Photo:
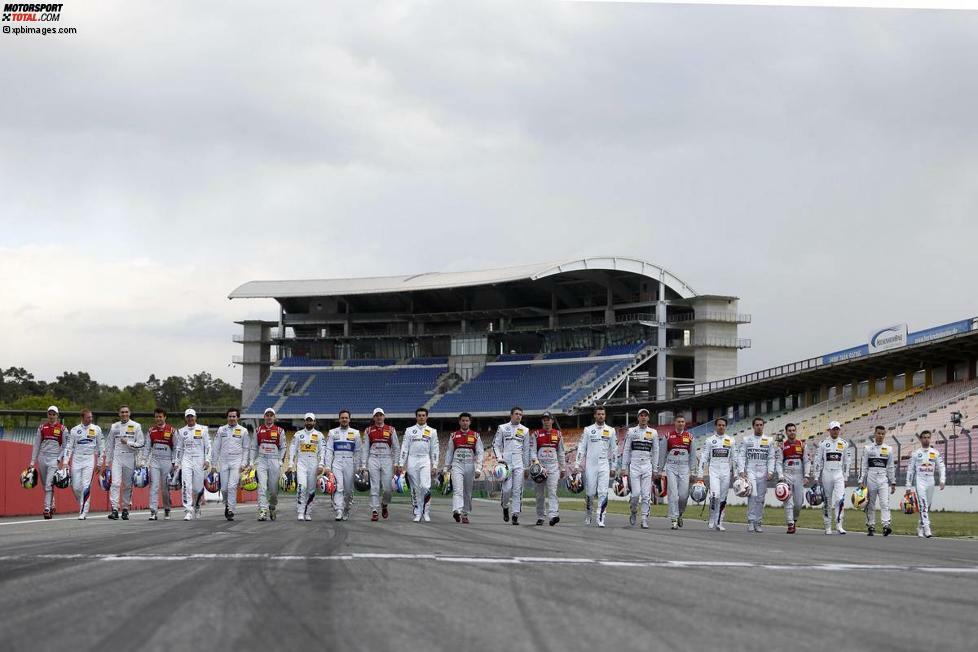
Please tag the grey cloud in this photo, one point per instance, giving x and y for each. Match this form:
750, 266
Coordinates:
819, 163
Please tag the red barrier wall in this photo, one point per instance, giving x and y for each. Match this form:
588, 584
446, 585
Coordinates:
17, 501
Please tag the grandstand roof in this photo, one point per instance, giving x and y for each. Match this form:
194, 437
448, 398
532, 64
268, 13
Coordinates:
810, 374
445, 280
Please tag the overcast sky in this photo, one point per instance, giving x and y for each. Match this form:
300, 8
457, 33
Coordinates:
822, 164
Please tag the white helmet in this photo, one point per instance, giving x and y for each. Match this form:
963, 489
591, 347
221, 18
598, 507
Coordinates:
698, 492
743, 487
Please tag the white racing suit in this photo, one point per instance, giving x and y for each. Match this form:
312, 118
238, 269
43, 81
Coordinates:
598, 451
512, 445
82, 449
718, 456
160, 463
305, 454
382, 448
920, 477
419, 454
678, 457
125, 441
341, 454
547, 447
267, 448
639, 453
877, 474
191, 453
48, 447
230, 452
831, 468
465, 454
793, 469
757, 460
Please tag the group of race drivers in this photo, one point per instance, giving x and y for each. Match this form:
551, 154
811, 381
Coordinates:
342, 459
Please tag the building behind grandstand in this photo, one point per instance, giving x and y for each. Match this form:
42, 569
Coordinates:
557, 337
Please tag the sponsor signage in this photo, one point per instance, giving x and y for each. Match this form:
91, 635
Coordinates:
889, 337
939, 332
892, 337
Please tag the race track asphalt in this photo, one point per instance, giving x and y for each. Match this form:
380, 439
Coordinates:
397, 585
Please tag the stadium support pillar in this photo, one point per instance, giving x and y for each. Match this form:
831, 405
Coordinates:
928, 377
888, 385
871, 389
972, 369
908, 379
823, 393
609, 310
660, 357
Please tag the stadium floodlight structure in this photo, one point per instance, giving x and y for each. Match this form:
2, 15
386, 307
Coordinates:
586, 312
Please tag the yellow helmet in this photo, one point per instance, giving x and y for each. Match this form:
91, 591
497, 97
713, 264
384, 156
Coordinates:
859, 497
249, 479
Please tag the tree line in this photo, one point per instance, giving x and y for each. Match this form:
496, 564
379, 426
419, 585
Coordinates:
72, 391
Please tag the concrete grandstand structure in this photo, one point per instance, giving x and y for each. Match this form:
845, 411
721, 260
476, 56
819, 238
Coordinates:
927, 382
549, 336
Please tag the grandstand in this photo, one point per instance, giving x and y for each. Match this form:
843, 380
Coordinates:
551, 336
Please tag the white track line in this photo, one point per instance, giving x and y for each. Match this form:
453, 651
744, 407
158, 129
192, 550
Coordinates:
628, 563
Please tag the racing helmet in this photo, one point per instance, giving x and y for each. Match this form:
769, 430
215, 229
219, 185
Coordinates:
538, 473
859, 497
815, 495
286, 481
174, 479
28, 478
621, 487
575, 482
62, 478
361, 479
327, 483
782, 491
105, 479
212, 481
660, 486
445, 481
501, 472
698, 492
399, 483
909, 503
249, 479
743, 487
140, 476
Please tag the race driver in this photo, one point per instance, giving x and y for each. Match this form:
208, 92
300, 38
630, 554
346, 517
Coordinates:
878, 475
512, 445
638, 451
923, 464
598, 451
463, 459
125, 440
718, 457
82, 448
831, 468
677, 458
419, 455
341, 454
192, 455
305, 456
48, 447
547, 449
159, 459
793, 468
756, 463
383, 448
267, 450
230, 451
